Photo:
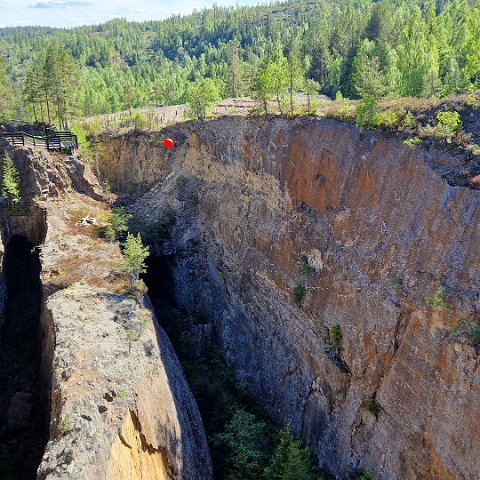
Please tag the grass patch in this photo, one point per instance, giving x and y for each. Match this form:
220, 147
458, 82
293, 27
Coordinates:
65, 424
439, 299
468, 328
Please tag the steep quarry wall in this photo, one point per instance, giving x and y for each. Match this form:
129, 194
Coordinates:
119, 405
382, 231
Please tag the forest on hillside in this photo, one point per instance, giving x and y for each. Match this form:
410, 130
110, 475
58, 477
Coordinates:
387, 48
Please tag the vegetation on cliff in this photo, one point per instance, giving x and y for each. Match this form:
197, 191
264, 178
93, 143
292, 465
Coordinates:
10, 190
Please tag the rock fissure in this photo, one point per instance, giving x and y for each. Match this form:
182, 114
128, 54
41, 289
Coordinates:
24, 418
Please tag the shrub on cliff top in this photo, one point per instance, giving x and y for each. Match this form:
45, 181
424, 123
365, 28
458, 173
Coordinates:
449, 124
368, 113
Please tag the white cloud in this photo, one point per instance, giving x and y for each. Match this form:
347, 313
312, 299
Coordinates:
61, 4
88, 12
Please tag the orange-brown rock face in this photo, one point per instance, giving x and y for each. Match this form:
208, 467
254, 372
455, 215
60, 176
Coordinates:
382, 230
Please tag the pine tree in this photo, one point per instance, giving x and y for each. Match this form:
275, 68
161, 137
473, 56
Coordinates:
367, 75
279, 80
413, 57
64, 80
134, 255
262, 87
290, 461
471, 46
296, 73
311, 88
203, 93
335, 71
10, 182
453, 78
392, 74
46, 71
235, 69
6, 93
243, 438
50, 85
32, 93
271, 81
433, 85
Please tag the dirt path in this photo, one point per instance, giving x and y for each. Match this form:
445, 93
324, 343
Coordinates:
160, 116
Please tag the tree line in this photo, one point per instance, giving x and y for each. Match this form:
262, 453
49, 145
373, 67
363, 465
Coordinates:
389, 48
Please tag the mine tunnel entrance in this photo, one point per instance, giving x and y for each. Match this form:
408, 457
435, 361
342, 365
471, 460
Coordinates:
23, 419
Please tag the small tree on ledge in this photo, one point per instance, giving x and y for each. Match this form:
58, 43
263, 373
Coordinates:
134, 255
10, 183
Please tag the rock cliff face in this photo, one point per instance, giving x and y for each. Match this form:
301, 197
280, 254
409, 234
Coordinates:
388, 251
118, 404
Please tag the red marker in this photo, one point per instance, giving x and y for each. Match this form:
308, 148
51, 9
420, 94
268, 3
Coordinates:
168, 143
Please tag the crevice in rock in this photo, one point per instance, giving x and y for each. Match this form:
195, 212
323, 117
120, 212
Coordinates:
211, 379
23, 417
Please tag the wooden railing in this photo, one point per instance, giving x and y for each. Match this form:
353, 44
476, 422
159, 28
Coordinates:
54, 141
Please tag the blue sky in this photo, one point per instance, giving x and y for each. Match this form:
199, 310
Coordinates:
68, 13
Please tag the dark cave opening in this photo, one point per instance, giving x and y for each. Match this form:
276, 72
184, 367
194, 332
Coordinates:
159, 280
23, 419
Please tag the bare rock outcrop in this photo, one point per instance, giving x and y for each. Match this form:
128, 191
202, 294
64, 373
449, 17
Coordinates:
121, 407
392, 251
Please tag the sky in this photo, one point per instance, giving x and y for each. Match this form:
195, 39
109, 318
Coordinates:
69, 13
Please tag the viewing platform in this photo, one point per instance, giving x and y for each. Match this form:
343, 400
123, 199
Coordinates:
52, 141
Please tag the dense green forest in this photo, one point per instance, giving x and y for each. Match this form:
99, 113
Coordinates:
360, 48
